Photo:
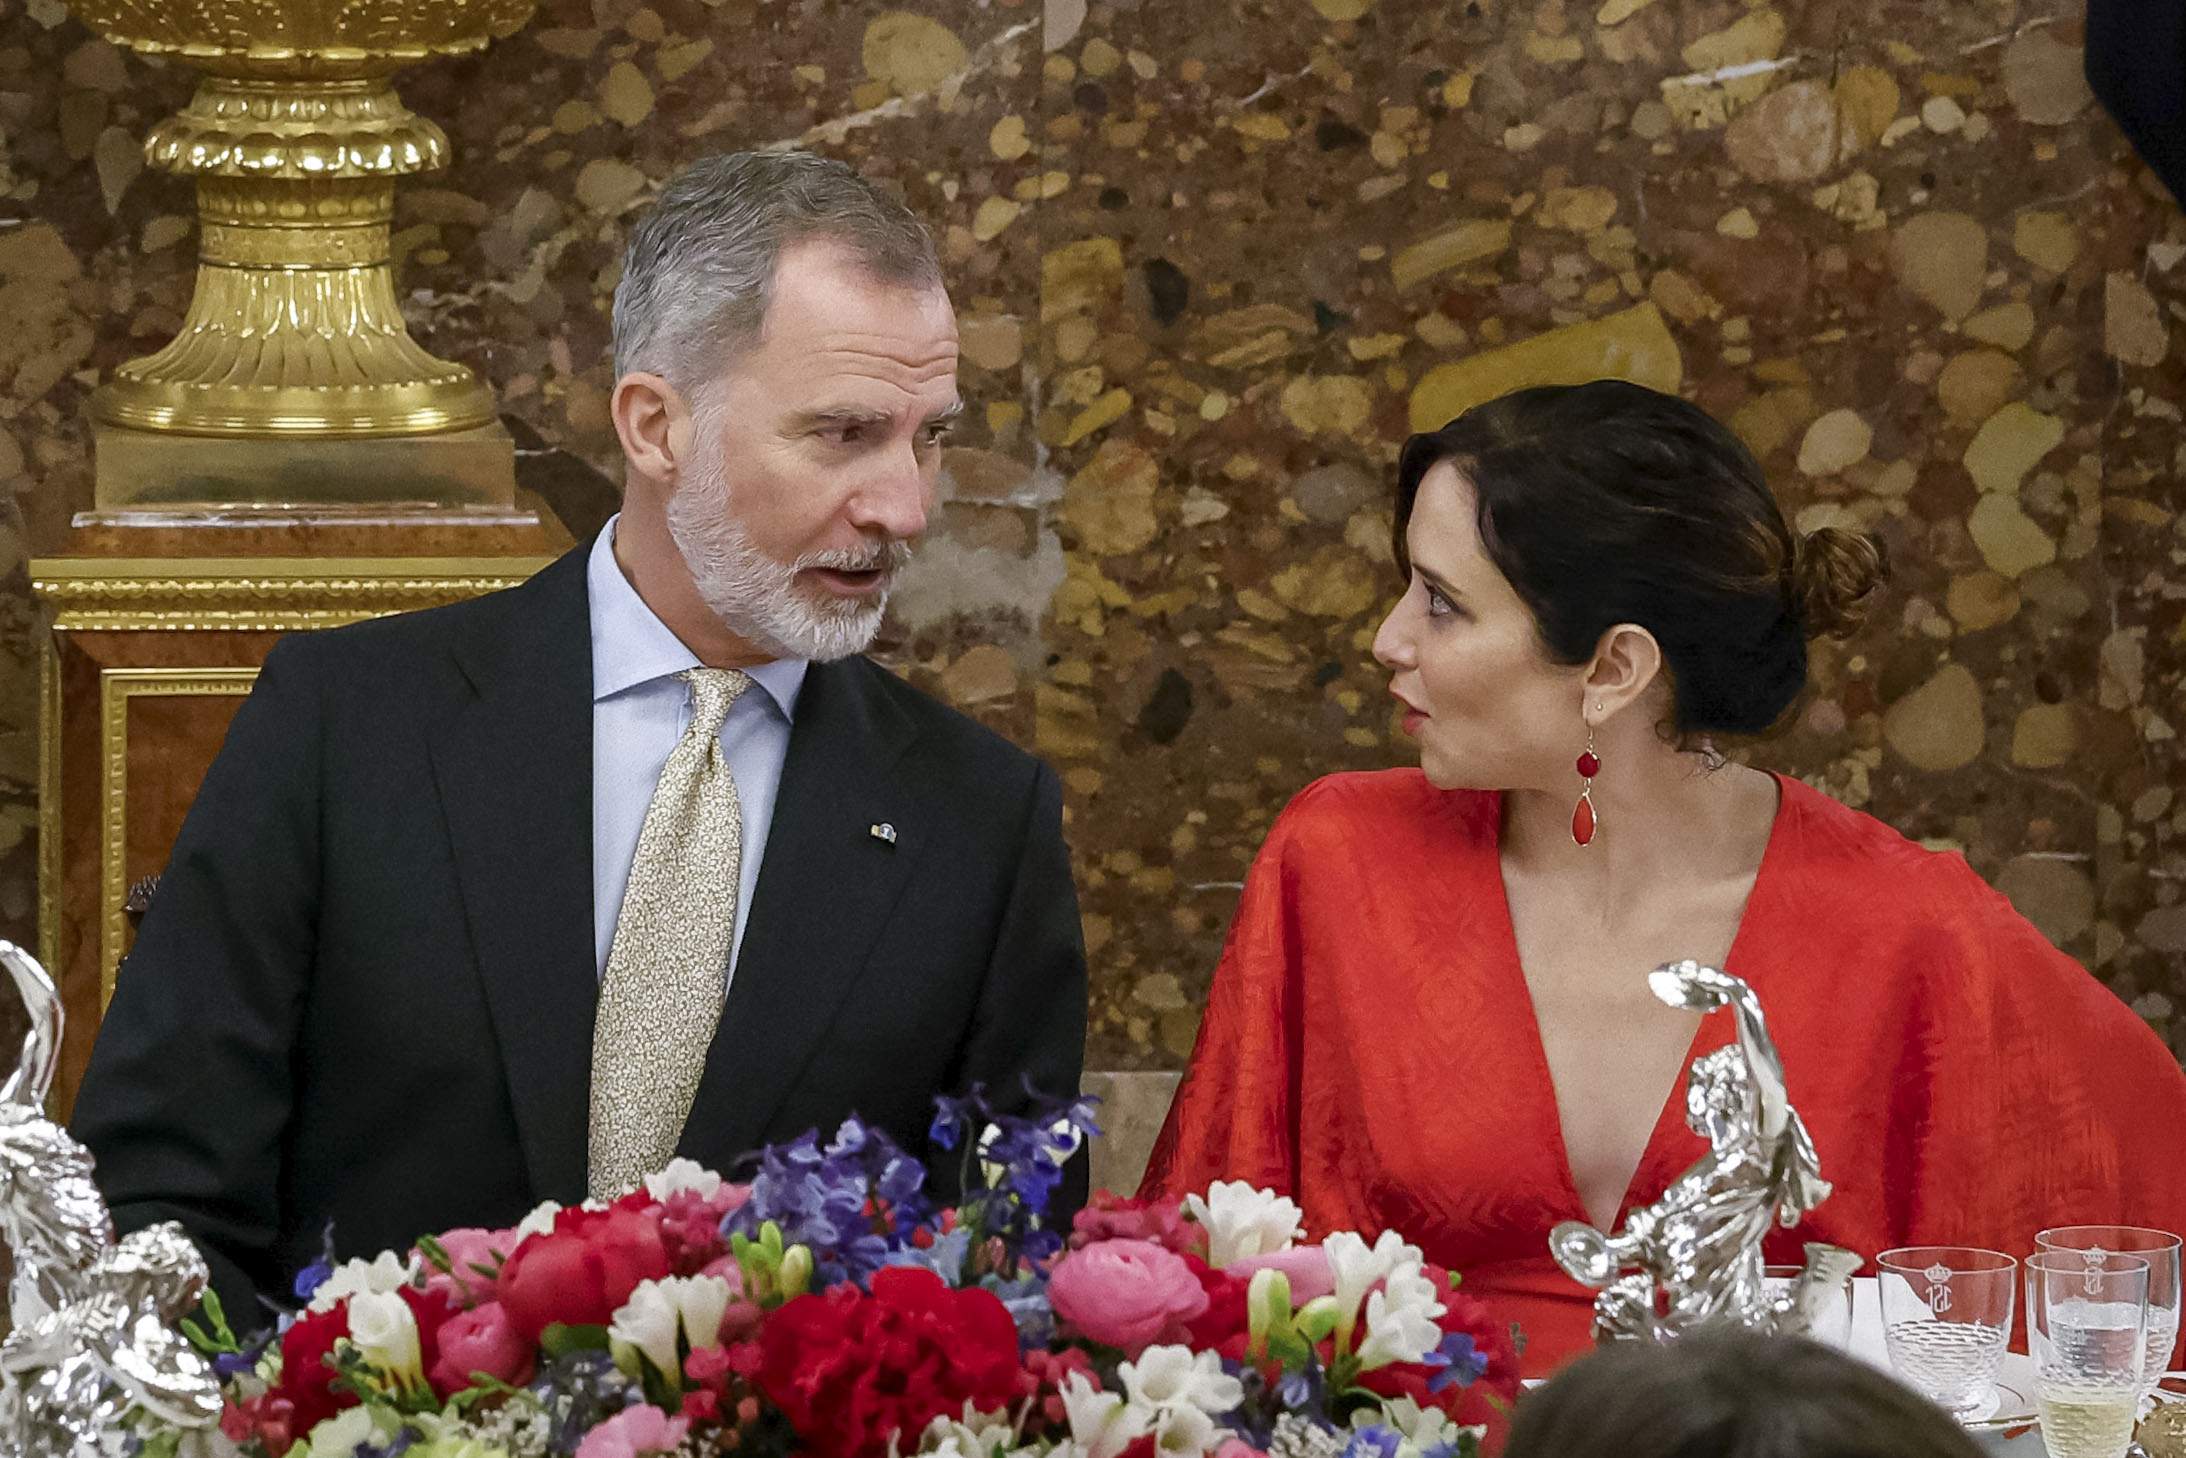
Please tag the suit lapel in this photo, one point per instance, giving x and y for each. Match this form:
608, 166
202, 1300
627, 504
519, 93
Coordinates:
514, 771
825, 888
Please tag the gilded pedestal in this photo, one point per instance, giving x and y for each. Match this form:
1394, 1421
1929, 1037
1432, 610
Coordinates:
158, 634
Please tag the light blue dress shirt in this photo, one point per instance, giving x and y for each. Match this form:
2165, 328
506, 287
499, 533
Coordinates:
639, 711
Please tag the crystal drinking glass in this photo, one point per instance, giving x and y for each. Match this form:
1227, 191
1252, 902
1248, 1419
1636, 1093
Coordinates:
1946, 1316
2087, 1328
2160, 1249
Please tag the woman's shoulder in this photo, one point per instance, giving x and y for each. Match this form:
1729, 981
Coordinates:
1392, 806
1946, 923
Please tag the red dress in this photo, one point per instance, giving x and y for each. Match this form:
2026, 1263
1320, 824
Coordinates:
1369, 1048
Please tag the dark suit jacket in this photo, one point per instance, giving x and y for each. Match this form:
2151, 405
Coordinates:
364, 992
2136, 63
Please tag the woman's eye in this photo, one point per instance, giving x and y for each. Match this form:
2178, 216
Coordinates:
1438, 605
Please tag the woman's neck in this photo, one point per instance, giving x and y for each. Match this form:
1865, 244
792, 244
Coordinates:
1665, 818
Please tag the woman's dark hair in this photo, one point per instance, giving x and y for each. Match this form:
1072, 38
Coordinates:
1733, 1394
1611, 503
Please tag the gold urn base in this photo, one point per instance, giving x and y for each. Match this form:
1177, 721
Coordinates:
151, 475
293, 381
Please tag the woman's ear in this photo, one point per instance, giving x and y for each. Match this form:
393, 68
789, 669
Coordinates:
1627, 663
653, 422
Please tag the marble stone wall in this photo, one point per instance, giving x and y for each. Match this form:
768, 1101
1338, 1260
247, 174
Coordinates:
1215, 260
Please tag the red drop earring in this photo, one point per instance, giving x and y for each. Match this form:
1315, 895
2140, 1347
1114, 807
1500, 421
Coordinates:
1584, 823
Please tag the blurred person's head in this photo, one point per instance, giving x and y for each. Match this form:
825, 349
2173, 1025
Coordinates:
1730, 1394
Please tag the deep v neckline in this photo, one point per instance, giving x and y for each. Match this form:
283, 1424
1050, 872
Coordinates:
1706, 1037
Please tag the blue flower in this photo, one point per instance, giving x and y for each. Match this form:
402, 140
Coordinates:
1375, 1440
1462, 1364
1025, 1298
847, 1203
944, 1257
313, 1276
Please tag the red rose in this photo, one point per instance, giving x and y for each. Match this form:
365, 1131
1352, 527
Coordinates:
1226, 1325
581, 1271
851, 1369
306, 1379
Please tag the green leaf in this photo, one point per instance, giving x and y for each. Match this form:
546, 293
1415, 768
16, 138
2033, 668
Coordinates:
561, 1338
218, 1316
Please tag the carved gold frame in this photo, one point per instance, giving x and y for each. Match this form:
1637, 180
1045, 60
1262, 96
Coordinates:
221, 595
117, 686
259, 594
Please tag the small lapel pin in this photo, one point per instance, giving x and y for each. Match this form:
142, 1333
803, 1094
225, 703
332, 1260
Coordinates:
883, 831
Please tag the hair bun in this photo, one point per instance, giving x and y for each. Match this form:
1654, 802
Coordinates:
1835, 576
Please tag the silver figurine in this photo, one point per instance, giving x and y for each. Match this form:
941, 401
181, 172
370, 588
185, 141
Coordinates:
1693, 1258
94, 1345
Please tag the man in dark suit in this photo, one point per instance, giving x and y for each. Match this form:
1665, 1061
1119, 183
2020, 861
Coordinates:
512, 900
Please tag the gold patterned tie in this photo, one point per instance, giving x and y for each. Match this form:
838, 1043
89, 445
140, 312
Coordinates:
667, 969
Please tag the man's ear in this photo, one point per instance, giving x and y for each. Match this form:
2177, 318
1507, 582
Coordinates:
653, 422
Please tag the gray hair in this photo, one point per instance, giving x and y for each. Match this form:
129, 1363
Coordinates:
699, 271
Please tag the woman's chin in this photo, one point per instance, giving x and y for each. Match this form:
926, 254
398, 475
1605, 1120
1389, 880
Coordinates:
1444, 773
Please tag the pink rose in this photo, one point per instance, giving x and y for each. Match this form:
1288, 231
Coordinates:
1127, 1294
468, 1249
633, 1431
1306, 1265
480, 1340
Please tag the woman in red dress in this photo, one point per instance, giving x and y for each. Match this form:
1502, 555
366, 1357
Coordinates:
1432, 1013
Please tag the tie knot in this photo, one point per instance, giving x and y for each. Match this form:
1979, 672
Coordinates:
712, 691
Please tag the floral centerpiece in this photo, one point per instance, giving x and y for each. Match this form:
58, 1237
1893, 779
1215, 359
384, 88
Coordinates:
828, 1308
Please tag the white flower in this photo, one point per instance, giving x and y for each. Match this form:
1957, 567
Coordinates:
646, 1325
1101, 1423
1423, 1428
1358, 1267
1242, 1221
683, 1177
1175, 1394
385, 1334
704, 1301
1173, 1377
342, 1434
539, 1222
974, 1434
1400, 1319
383, 1273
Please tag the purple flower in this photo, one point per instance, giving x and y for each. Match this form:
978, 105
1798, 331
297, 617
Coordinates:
1461, 1364
1377, 1440
313, 1276
847, 1203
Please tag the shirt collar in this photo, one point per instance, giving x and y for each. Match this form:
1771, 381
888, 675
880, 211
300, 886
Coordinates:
632, 646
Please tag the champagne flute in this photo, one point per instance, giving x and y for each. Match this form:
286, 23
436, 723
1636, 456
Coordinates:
1946, 1315
2160, 1249
2087, 1327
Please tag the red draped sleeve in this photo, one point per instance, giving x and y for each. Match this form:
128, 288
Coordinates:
1236, 1113
2032, 1095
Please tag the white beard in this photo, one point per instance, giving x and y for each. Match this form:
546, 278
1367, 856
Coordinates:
761, 600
